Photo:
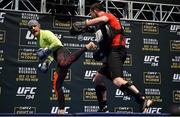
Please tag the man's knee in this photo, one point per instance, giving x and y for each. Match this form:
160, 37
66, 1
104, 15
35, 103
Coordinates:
97, 79
119, 81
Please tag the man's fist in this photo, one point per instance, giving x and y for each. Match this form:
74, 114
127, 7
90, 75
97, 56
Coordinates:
43, 53
43, 67
81, 25
78, 28
90, 46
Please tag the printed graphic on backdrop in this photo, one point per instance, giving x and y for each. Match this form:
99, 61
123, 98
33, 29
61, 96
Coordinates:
91, 108
24, 110
2, 17
28, 74
150, 44
25, 17
152, 62
2, 36
175, 62
1, 55
152, 77
27, 55
176, 96
150, 28
28, 93
89, 94
175, 45
123, 109
62, 22
154, 94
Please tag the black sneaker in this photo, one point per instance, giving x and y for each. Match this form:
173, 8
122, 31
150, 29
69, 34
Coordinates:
104, 109
146, 104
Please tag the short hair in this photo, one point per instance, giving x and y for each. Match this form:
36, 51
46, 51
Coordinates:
97, 6
33, 22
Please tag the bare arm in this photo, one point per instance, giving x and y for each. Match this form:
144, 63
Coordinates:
96, 20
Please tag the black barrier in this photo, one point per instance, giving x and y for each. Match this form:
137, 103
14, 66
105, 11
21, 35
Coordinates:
153, 64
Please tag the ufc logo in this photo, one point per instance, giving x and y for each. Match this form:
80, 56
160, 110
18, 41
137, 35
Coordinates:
2, 17
90, 73
30, 36
174, 28
54, 110
119, 93
176, 77
154, 110
128, 42
26, 90
151, 59
89, 38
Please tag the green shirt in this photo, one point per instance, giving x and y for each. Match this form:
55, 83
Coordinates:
47, 39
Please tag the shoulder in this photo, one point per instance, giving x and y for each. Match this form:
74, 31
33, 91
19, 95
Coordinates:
47, 31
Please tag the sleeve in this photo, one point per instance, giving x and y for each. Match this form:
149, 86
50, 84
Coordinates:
53, 41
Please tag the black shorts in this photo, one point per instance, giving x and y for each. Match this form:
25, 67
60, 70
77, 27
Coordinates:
113, 67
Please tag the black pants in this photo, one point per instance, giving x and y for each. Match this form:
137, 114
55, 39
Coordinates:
64, 59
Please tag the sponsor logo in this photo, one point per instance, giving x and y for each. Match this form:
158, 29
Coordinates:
126, 26
128, 42
24, 110
152, 60
86, 38
62, 22
27, 74
175, 45
2, 17
176, 96
28, 40
152, 92
91, 108
27, 92
150, 28
89, 55
175, 62
2, 36
174, 28
127, 75
89, 74
89, 94
120, 94
152, 77
176, 77
123, 109
154, 110
150, 44
128, 61
1, 55
1, 68
29, 16
54, 110
27, 55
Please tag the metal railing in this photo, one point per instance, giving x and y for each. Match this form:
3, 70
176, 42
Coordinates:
128, 10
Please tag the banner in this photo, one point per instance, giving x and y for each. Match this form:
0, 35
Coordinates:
152, 64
